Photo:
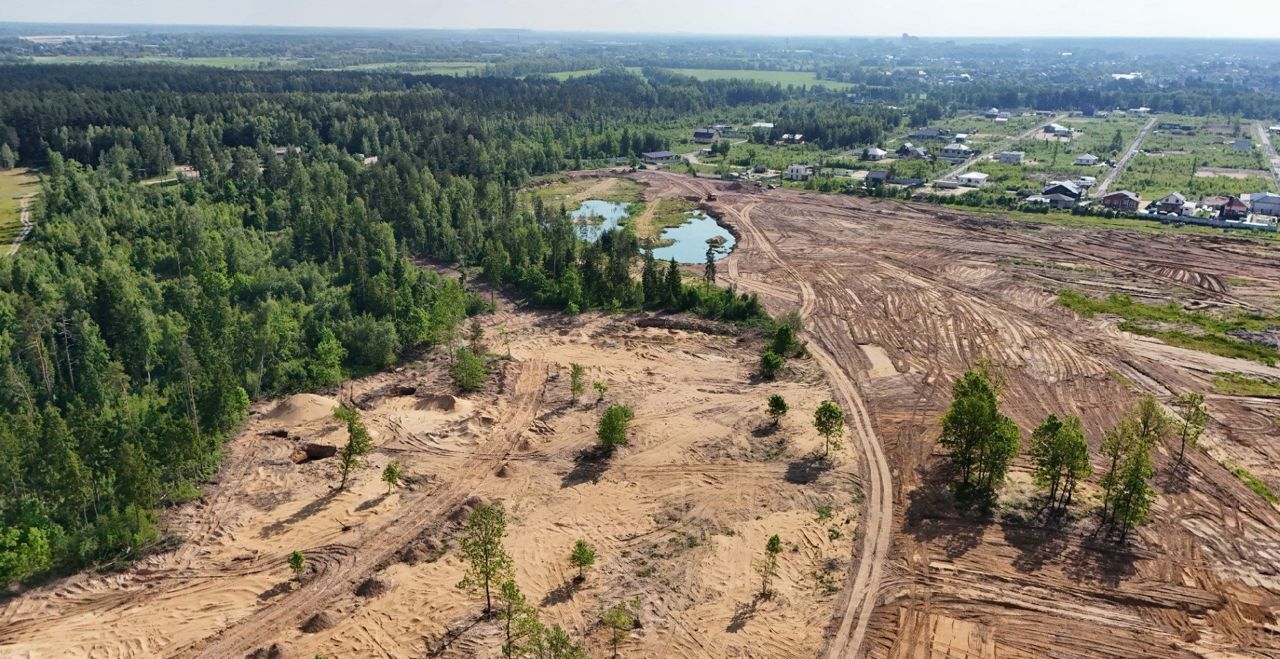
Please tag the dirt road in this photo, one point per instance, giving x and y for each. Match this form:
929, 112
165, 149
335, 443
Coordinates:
1101, 188
27, 225
930, 291
1273, 161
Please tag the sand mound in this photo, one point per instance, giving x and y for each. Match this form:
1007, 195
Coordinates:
372, 587
318, 623
302, 408
438, 402
273, 652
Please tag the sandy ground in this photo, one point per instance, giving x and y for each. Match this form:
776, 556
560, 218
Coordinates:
937, 290
898, 300
677, 517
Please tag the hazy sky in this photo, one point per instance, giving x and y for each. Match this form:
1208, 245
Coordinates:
1206, 18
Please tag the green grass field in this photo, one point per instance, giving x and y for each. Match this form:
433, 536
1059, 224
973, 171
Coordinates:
14, 185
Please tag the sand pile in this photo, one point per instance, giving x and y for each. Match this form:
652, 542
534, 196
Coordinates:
318, 623
301, 409
372, 587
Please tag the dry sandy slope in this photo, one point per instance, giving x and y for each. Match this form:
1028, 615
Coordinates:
937, 290
677, 517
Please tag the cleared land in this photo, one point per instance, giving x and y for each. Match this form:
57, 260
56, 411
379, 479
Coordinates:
677, 517
898, 299
936, 290
15, 184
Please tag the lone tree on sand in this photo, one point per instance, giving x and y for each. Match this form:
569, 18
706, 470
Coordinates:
392, 474
621, 619
297, 563
577, 380
582, 557
829, 420
768, 567
1194, 418
613, 426
351, 457
777, 408
487, 561
771, 364
601, 390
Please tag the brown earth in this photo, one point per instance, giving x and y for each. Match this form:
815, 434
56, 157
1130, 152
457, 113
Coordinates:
936, 290
677, 517
898, 300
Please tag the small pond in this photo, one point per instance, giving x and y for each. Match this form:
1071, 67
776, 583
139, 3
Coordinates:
688, 241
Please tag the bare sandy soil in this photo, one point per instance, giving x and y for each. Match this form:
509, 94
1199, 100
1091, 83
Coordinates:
936, 290
677, 517
898, 300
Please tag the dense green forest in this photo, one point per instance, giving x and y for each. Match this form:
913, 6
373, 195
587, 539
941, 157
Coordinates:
138, 321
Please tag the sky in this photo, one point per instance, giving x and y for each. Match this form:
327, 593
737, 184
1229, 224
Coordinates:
941, 18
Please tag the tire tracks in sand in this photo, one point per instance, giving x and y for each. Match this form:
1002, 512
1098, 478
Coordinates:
338, 579
863, 586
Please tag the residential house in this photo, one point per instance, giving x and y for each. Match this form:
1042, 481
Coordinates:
1214, 203
1011, 157
1140, 112
789, 138
1122, 201
798, 173
992, 113
972, 179
706, 135
1087, 160
1054, 129
1265, 203
660, 157
956, 152
1065, 188
1060, 201
1234, 209
1171, 204
1044, 113
874, 153
910, 151
928, 134
961, 138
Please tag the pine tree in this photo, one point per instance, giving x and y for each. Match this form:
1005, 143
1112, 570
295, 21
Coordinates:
582, 557
297, 563
777, 408
620, 619
481, 545
392, 474
613, 426
768, 566
358, 445
1195, 416
982, 442
828, 419
1061, 456
577, 380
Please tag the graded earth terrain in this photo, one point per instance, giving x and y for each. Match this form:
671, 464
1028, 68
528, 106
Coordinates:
897, 301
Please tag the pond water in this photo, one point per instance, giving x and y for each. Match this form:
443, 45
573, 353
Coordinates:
610, 214
689, 240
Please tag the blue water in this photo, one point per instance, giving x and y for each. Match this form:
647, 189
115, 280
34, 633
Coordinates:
690, 238
612, 213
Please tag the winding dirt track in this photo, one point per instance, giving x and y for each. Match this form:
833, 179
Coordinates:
860, 593
338, 578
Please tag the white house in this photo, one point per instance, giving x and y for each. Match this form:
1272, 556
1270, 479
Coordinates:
1011, 157
956, 152
874, 153
798, 173
1002, 120
992, 113
1087, 160
1265, 203
972, 179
